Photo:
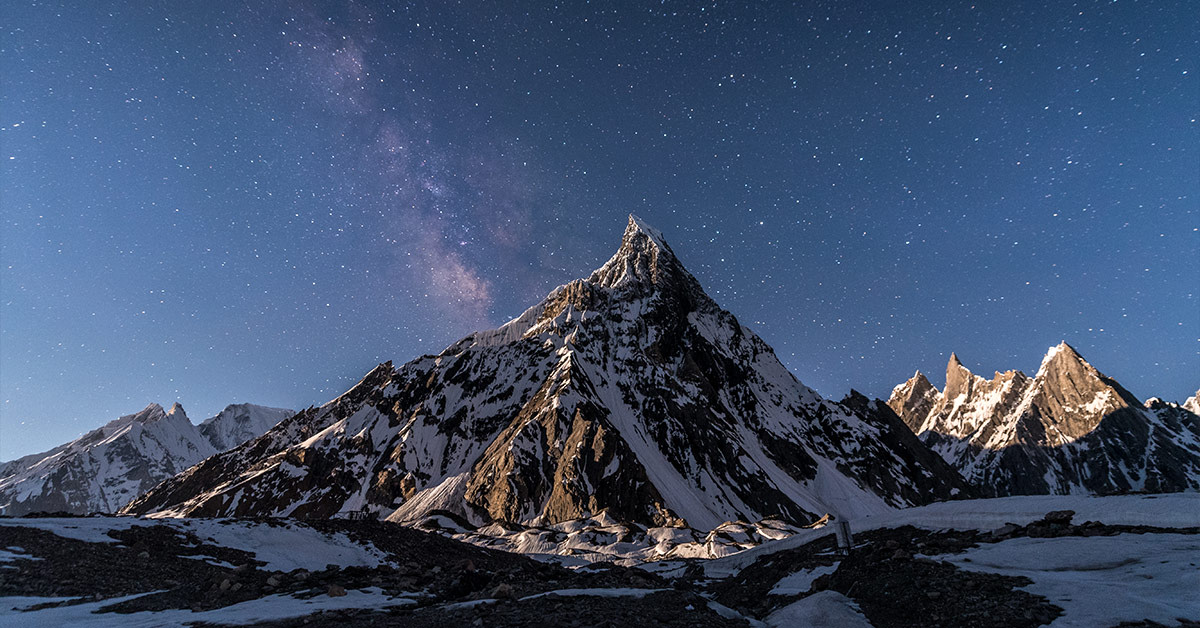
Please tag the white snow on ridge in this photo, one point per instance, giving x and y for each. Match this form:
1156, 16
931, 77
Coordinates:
239, 423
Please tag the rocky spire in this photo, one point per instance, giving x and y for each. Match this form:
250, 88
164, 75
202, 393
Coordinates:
1063, 357
1192, 404
644, 257
1071, 428
958, 378
913, 400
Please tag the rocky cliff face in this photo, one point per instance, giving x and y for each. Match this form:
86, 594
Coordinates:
913, 400
107, 467
1068, 429
1192, 404
630, 392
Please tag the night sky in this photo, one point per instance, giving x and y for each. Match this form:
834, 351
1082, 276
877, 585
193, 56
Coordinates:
209, 203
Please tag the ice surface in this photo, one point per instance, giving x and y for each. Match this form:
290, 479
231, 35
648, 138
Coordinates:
827, 608
1102, 580
1173, 510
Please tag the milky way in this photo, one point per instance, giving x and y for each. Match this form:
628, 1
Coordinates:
216, 203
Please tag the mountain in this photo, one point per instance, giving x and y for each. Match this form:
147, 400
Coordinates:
240, 422
1069, 429
630, 392
1192, 404
106, 468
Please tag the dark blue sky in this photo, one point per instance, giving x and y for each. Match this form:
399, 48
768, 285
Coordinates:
210, 203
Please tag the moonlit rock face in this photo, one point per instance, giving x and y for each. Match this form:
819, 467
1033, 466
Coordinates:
913, 400
107, 467
1069, 429
629, 394
1192, 404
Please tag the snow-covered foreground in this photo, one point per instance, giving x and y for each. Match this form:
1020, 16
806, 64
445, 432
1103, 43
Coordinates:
263, 609
1096, 580
283, 546
174, 572
1172, 510
1102, 581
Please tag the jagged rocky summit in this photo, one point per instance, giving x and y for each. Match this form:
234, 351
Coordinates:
1192, 404
1068, 429
629, 393
106, 468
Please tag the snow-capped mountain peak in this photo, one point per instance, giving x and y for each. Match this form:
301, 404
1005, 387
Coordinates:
106, 468
151, 413
959, 379
1192, 404
643, 258
630, 392
1070, 428
918, 395
1062, 358
238, 423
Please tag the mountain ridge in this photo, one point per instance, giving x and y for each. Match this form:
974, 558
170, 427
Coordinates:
1069, 428
107, 467
630, 391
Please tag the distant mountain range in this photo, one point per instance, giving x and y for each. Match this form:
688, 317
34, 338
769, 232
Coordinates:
630, 392
106, 468
1068, 429
628, 397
